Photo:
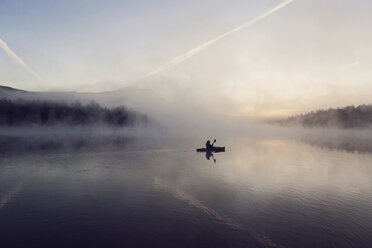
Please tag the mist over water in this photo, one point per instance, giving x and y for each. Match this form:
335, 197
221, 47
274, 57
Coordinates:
271, 188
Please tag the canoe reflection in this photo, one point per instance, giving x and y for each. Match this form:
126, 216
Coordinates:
208, 156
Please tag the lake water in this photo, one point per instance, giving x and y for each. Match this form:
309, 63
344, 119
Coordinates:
127, 192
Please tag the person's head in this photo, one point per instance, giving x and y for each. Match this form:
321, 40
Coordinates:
208, 141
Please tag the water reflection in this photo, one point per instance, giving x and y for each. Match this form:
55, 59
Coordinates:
350, 141
36, 144
10, 195
208, 155
231, 223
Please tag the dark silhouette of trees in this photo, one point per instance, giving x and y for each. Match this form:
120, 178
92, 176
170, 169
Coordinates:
22, 113
347, 117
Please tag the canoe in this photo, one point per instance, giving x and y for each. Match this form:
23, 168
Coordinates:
213, 149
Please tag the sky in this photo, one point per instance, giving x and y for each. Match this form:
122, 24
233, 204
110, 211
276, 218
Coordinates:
309, 54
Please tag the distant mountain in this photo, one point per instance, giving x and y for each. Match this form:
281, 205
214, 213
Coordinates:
7, 89
141, 100
347, 117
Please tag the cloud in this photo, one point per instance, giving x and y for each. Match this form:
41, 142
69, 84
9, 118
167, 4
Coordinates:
181, 58
17, 59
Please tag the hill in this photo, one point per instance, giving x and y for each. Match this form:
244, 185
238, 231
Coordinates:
144, 101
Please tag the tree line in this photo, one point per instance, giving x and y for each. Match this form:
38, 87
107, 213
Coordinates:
347, 117
48, 113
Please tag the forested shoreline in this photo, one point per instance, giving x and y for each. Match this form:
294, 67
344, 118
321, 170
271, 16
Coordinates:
48, 113
347, 117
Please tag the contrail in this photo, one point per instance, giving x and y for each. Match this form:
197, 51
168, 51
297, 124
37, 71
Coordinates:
355, 63
179, 59
16, 58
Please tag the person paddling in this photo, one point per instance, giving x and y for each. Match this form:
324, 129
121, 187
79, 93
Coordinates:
208, 145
